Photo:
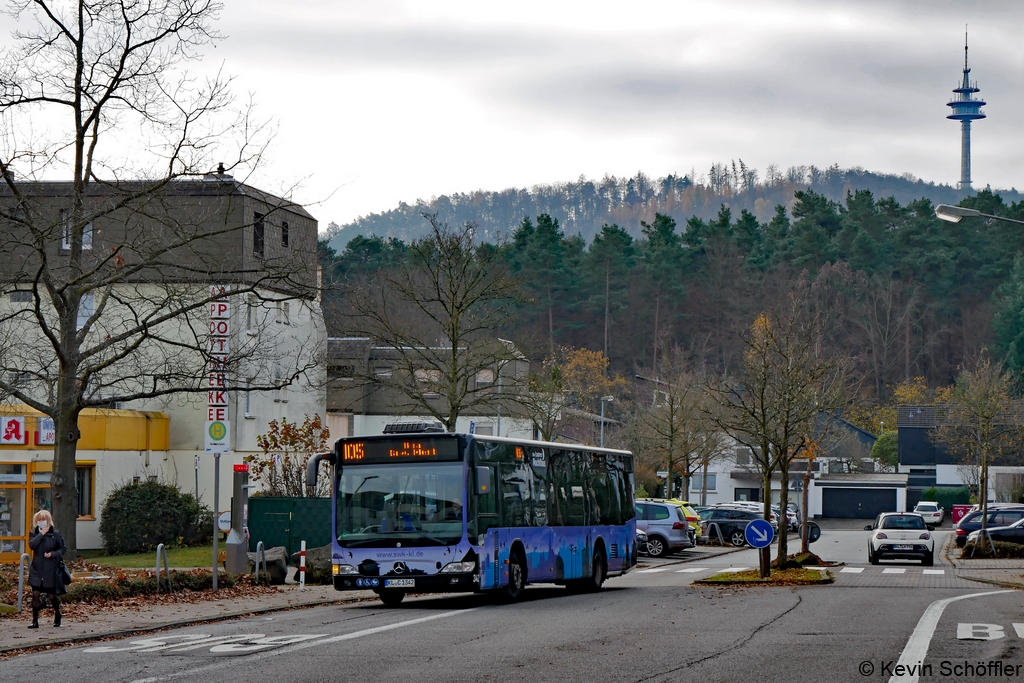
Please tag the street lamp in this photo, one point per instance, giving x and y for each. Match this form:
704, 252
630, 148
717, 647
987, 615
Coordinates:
604, 399
954, 214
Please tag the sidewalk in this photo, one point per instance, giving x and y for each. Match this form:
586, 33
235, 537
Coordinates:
88, 622
1007, 572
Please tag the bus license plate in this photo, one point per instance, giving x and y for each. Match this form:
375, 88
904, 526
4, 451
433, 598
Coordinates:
903, 547
399, 583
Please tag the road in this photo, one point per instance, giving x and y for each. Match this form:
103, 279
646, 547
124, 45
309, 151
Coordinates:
647, 626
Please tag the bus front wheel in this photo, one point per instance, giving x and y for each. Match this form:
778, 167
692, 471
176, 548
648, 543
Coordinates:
391, 598
516, 578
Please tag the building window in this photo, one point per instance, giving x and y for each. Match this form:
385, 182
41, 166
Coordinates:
21, 296
250, 314
341, 372
485, 429
257, 235
85, 478
284, 233
383, 372
248, 398
485, 378
696, 483
286, 316
85, 309
743, 456
65, 232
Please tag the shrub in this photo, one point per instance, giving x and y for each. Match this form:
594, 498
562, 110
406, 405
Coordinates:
1003, 550
137, 517
131, 587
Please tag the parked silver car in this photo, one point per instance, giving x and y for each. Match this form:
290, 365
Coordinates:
666, 528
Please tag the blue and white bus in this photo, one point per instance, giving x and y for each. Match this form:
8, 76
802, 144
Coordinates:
436, 512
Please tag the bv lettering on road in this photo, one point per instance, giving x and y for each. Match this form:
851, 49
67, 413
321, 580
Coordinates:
236, 644
917, 646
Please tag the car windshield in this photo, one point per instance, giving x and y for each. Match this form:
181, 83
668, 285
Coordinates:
415, 504
903, 522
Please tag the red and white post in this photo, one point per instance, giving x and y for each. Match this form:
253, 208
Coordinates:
302, 566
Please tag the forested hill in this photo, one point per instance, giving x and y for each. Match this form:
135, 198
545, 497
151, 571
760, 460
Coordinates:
583, 206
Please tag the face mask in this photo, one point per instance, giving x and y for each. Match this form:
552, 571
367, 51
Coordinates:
42, 525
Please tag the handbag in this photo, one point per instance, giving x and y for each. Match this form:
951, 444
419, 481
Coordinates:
65, 575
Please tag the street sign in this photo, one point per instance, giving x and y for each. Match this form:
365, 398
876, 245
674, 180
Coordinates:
224, 521
813, 532
217, 439
759, 533
197, 462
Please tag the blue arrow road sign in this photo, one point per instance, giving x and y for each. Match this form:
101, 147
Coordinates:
759, 533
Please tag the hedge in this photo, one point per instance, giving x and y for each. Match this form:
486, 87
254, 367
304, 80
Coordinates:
139, 516
947, 497
130, 587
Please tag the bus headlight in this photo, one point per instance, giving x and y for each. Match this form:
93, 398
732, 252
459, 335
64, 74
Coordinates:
458, 567
344, 569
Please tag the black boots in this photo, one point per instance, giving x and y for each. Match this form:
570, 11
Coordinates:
56, 613
35, 618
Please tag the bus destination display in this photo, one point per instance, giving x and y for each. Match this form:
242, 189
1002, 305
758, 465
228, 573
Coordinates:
399, 450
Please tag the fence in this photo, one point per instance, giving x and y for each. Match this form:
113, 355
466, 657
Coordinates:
289, 521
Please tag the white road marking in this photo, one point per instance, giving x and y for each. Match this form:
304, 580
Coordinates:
230, 661
851, 570
917, 646
935, 572
820, 569
655, 570
734, 570
1019, 628
895, 570
690, 570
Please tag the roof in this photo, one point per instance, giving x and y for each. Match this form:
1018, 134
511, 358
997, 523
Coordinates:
211, 186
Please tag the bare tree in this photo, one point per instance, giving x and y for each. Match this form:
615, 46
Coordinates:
117, 268
437, 315
789, 390
983, 422
674, 431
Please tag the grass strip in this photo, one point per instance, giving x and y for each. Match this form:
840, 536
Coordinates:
787, 577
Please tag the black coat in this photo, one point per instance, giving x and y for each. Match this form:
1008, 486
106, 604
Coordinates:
45, 574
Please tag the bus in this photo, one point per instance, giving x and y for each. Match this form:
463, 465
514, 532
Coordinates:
443, 512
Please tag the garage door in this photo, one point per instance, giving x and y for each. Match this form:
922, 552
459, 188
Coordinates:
857, 503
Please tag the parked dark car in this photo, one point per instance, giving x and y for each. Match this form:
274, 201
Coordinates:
732, 522
997, 517
1007, 534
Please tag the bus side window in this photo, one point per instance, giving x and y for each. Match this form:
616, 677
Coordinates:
516, 483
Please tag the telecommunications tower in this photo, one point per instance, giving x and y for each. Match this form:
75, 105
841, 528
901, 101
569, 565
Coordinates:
965, 110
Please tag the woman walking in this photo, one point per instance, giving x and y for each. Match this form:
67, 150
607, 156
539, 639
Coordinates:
45, 575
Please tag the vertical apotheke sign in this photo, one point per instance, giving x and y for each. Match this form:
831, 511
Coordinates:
218, 429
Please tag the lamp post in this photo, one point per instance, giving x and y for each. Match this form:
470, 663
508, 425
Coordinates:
604, 399
954, 214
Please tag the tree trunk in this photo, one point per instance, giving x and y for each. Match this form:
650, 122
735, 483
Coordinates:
704, 485
783, 502
765, 555
654, 363
804, 500
607, 305
62, 481
551, 325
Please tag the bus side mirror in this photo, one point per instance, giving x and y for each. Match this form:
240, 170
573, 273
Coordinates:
313, 466
483, 480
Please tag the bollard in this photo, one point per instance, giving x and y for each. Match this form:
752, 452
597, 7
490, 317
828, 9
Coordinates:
302, 566
162, 552
21, 577
261, 556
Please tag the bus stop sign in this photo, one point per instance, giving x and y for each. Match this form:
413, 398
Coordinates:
759, 533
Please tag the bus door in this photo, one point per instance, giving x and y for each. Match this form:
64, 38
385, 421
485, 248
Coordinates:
484, 517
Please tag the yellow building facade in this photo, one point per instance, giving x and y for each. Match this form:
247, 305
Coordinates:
115, 446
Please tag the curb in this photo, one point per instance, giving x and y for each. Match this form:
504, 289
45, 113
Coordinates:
75, 640
695, 559
957, 567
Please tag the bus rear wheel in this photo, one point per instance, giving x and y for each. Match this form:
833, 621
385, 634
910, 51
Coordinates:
390, 597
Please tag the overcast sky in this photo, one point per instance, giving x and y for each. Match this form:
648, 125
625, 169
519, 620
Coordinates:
380, 102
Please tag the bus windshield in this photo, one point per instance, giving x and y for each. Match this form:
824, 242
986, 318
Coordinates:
415, 504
